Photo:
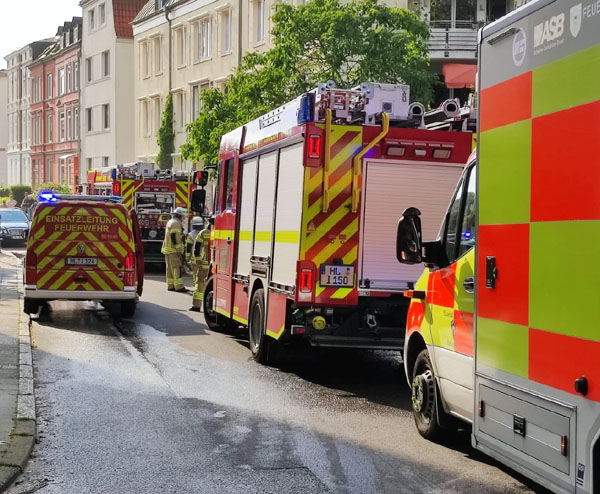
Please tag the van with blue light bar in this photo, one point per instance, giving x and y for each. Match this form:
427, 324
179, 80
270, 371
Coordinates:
83, 248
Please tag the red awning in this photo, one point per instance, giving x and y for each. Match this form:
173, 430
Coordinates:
459, 75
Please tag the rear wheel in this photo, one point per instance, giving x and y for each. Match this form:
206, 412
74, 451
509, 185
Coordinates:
127, 308
424, 397
261, 344
30, 305
213, 320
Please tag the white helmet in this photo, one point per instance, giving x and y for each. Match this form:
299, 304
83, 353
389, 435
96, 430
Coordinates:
180, 212
197, 221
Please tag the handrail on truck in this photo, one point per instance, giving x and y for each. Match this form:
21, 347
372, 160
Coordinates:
385, 120
327, 159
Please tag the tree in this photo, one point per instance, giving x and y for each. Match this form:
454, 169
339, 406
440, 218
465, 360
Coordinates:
166, 136
321, 40
51, 187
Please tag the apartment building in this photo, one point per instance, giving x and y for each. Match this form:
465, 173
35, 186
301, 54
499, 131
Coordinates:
107, 98
3, 126
55, 109
18, 117
186, 46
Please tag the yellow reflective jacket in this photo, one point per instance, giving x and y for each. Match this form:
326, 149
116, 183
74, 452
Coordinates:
168, 247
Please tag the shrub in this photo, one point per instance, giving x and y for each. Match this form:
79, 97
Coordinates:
4, 191
18, 192
52, 186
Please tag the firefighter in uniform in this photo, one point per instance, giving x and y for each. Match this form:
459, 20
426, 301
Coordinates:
172, 248
201, 254
197, 224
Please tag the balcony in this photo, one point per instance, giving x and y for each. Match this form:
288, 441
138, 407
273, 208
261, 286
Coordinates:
453, 40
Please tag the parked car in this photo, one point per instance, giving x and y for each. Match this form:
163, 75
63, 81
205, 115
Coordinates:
14, 225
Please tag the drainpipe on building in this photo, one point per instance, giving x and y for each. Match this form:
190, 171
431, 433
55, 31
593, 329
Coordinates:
240, 25
167, 11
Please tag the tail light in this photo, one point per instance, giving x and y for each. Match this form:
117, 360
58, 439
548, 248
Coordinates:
306, 280
130, 262
31, 260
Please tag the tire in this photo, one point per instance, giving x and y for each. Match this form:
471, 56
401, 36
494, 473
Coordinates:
30, 305
425, 403
213, 320
127, 308
260, 342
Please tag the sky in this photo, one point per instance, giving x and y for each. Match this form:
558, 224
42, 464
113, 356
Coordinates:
24, 21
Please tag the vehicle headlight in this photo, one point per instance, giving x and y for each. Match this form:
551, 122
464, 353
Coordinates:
4, 230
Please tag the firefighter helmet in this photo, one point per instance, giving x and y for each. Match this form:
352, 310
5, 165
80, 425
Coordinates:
180, 212
197, 222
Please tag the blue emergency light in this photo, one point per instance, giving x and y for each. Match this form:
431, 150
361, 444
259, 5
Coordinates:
47, 197
305, 112
467, 235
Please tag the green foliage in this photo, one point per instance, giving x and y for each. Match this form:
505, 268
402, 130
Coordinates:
166, 136
51, 186
4, 191
18, 192
321, 40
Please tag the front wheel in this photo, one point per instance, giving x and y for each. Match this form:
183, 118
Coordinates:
30, 305
260, 343
213, 320
424, 397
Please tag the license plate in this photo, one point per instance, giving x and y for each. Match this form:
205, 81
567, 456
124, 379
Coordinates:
335, 275
81, 261
16, 233
17, 236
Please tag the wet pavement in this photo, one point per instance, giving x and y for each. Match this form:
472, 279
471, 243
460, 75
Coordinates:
159, 404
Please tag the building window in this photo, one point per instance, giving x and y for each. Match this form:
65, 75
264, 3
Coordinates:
76, 123
61, 82
49, 128
40, 88
157, 52
49, 86
157, 115
101, 14
89, 68
105, 161
202, 39
105, 64
69, 79
145, 118
226, 32
88, 119
89, 163
259, 21
92, 19
106, 116
34, 90
179, 114
48, 174
61, 126
40, 130
76, 76
69, 124
145, 59
180, 47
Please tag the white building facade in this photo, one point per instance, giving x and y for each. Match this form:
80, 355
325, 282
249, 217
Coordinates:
107, 98
3, 127
18, 116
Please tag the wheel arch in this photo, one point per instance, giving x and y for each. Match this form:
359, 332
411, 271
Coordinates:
412, 348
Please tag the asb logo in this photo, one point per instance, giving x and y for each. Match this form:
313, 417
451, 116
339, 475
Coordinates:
519, 48
575, 20
549, 30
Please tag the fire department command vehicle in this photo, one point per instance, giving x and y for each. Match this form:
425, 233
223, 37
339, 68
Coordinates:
503, 325
83, 248
309, 197
154, 194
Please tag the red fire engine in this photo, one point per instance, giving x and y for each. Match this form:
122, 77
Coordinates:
154, 194
309, 196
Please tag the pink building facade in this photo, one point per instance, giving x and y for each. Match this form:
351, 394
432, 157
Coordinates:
55, 110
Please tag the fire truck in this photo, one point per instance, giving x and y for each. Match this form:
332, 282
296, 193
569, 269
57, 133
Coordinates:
500, 333
153, 193
308, 198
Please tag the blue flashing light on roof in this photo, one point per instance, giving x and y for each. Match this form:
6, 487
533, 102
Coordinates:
113, 173
305, 112
467, 234
47, 197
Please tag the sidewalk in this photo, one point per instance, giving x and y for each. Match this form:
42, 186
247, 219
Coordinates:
17, 403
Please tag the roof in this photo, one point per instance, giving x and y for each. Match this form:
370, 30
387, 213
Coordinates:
149, 9
124, 11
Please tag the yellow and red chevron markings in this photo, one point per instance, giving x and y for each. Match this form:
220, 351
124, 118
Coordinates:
128, 188
334, 234
51, 248
182, 194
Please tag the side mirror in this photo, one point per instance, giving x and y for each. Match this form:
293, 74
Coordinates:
198, 200
408, 238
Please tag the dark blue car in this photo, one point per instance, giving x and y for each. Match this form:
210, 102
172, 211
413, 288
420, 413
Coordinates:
14, 226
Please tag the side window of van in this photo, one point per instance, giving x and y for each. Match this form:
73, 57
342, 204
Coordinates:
468, 231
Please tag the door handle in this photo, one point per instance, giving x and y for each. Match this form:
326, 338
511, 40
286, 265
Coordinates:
228, 240
469, 285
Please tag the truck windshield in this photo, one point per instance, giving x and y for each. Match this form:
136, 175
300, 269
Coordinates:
154, 202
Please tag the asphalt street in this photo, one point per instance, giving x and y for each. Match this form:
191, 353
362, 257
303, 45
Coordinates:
160, 404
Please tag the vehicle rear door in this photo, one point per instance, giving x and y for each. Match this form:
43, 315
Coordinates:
139, 251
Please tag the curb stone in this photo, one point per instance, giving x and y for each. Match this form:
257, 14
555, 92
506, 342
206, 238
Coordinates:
23, 436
